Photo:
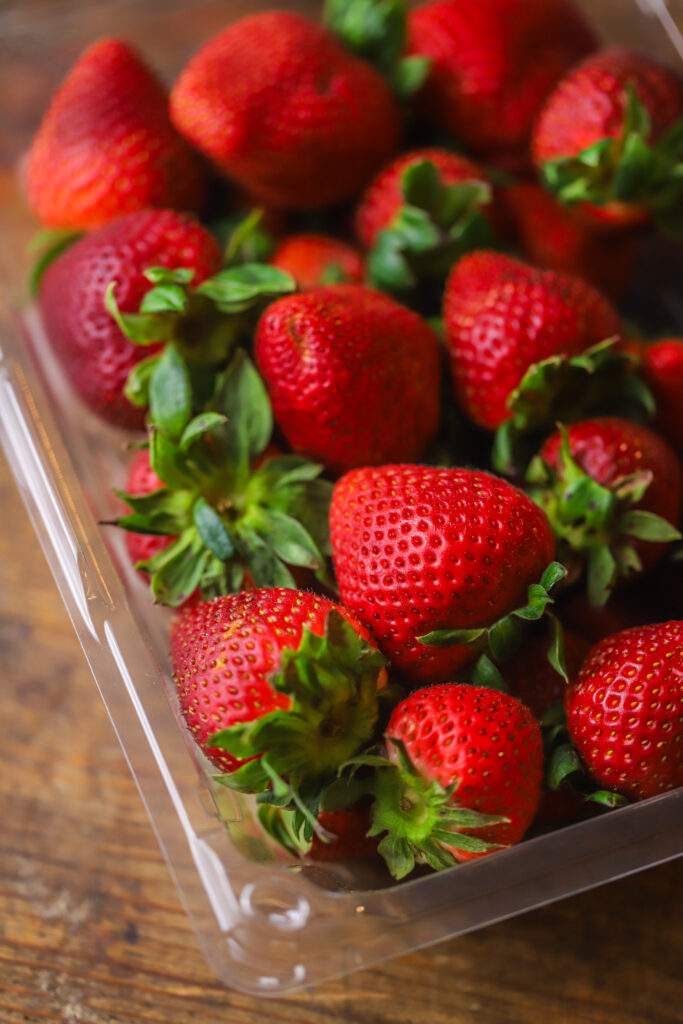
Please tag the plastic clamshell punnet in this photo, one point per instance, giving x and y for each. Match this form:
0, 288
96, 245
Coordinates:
265, 925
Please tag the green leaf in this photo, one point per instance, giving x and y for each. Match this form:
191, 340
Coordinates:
165, 298
555, 650
213, 531
287, 538
198, 427
136, 389
170, 394
249, 778
504, 638
606, 798
450, 637
602, 575
169, 275
141, 329
243, 398
398, 855
486, 674
647, 526
416, 229
553, 575
410, 75
179, 578
634, 169
167, 463
234, 287
564, 762
265, 568
49, 245
387, 264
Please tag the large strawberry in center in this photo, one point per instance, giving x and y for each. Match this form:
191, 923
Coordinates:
418, 549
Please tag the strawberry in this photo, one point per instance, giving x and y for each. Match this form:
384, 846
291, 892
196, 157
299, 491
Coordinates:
278, 688
624, 710
610, 488
428, 558
531, 678
501, 316
348, 836
94, 352
215, 506
662, 368
282, 109
314, 260
494, 62
420, 214
552, 237
353, 376
465, 780
106, 145
611, 138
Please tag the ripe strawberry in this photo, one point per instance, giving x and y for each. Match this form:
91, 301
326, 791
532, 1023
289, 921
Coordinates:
353, 376
281, 108
106, 145
502, 315
494, 64
350, 840
531, 678
610, 489
418, 550
552, 237
383, 199
315, 260
467, 776
93, 351
624, 710
143, 480
609, 137
662, 368
283, 676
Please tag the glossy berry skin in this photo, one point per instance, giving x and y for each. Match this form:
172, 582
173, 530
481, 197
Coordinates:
281, 108
486, 742
662, 368
551, 236
106, 145
589, 104
383, 198
224, 650
494, 64
418, 549
608, 448
315, 260
502, 315
624, 710
94, 353
353, 376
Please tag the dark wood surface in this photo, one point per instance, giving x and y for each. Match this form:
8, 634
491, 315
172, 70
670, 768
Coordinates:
91, 929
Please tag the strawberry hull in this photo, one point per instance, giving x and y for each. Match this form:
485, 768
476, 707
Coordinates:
245, 903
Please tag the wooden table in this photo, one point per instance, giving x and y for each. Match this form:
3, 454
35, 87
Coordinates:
91, 929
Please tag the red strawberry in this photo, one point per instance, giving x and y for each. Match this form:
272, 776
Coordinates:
638, 501
551, 236
502, 315
349, 829
314, 260
280, 107
94, 353
533, 680
353, 376
463, 749
624, 710
597, 138
494, 64
106, 145
418, 549
662, 368
143, 480
239, 659
383, 199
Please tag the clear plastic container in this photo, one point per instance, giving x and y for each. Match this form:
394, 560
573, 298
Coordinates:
266, 925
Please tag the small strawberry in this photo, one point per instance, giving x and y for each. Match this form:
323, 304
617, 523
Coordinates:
624, 710
282, 109
501, 316
494, 62
315, 260
348, 840
420, 214
95, 354
429, 558
611, 138
228, 509
106, 145
466, 778
552, 237
278, 688
353, 376
662, 368
610, 489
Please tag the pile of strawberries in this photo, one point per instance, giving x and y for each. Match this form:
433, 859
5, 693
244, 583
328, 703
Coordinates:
410, 482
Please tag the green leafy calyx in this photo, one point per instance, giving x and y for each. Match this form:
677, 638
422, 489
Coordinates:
597, 522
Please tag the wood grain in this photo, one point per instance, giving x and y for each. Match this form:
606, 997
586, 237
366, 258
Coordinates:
91, 929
